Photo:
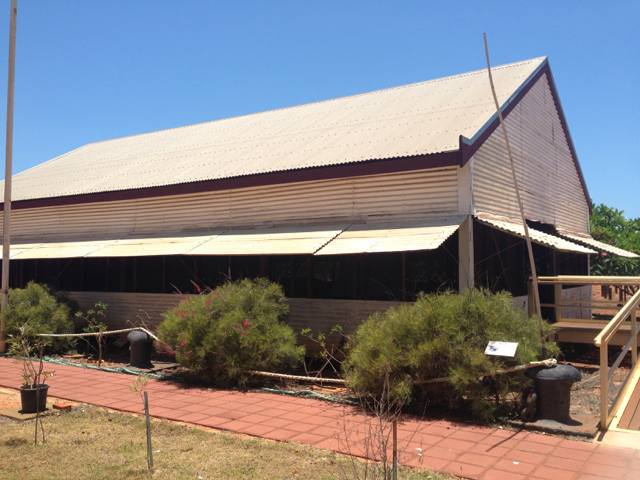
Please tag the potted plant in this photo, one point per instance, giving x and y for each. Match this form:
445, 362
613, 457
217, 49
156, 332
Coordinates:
28, 351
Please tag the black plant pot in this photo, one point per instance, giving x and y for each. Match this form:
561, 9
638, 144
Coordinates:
34, 399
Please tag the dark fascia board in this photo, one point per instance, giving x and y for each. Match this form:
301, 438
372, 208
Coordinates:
371, 167
468, 147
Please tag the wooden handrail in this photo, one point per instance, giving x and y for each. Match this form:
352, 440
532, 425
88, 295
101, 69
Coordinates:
589, 280
628, 310
616, 321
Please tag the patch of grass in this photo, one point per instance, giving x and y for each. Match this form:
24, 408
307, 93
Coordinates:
96, 444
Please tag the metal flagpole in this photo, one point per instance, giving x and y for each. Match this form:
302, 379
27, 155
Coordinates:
536, 292
6, 226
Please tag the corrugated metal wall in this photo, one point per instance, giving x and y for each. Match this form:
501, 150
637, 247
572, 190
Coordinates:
319, 315
125, 310
424, 192
550, 186
577, 294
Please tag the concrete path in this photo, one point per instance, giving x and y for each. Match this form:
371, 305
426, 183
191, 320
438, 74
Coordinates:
460, 449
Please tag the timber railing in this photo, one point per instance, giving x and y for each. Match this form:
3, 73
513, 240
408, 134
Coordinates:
624, 320
602, 341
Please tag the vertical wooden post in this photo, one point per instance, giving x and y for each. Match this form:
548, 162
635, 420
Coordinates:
531, 307
466, 261
634, 344
557, 299
6, 226
604, 385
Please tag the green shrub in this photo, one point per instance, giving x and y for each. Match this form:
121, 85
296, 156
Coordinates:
41, 311
443, 335
237, 327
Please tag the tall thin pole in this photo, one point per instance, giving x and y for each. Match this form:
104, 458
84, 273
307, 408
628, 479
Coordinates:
6, 226
536, 292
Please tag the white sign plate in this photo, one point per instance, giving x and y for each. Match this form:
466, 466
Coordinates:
501, 349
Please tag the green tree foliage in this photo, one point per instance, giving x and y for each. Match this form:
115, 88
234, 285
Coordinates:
240, 326
36, 306
443, 335
609, 225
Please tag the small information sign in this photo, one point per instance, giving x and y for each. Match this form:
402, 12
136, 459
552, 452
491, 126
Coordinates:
501, 349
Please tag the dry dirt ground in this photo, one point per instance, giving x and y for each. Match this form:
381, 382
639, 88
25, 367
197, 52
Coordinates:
10, 398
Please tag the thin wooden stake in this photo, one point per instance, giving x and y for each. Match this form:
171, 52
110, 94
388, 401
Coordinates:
149, 448
534, 276
395, 450
99, 346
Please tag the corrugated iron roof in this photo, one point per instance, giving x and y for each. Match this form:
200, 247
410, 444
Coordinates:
417, 119
591, 242
405, 236
535, 235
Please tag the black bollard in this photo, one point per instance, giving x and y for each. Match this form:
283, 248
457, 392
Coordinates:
553, 387
141, 349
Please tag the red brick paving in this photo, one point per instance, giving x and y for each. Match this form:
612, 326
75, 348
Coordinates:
469, 451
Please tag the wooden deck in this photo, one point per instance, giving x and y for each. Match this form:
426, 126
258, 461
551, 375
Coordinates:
585, 331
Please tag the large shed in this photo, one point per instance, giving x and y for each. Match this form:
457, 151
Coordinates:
352, 204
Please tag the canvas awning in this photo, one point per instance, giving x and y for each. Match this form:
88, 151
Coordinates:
591, 242
536, 236
405, 236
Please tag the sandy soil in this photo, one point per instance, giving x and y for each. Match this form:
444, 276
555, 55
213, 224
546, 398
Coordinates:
10, 398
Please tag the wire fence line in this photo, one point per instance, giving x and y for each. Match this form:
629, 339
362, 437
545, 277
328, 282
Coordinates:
99, 334
550, 362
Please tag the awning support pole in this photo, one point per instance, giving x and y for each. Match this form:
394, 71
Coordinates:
534, 276
6, 226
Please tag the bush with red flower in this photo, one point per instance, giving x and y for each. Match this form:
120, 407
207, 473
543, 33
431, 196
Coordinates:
240, 326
